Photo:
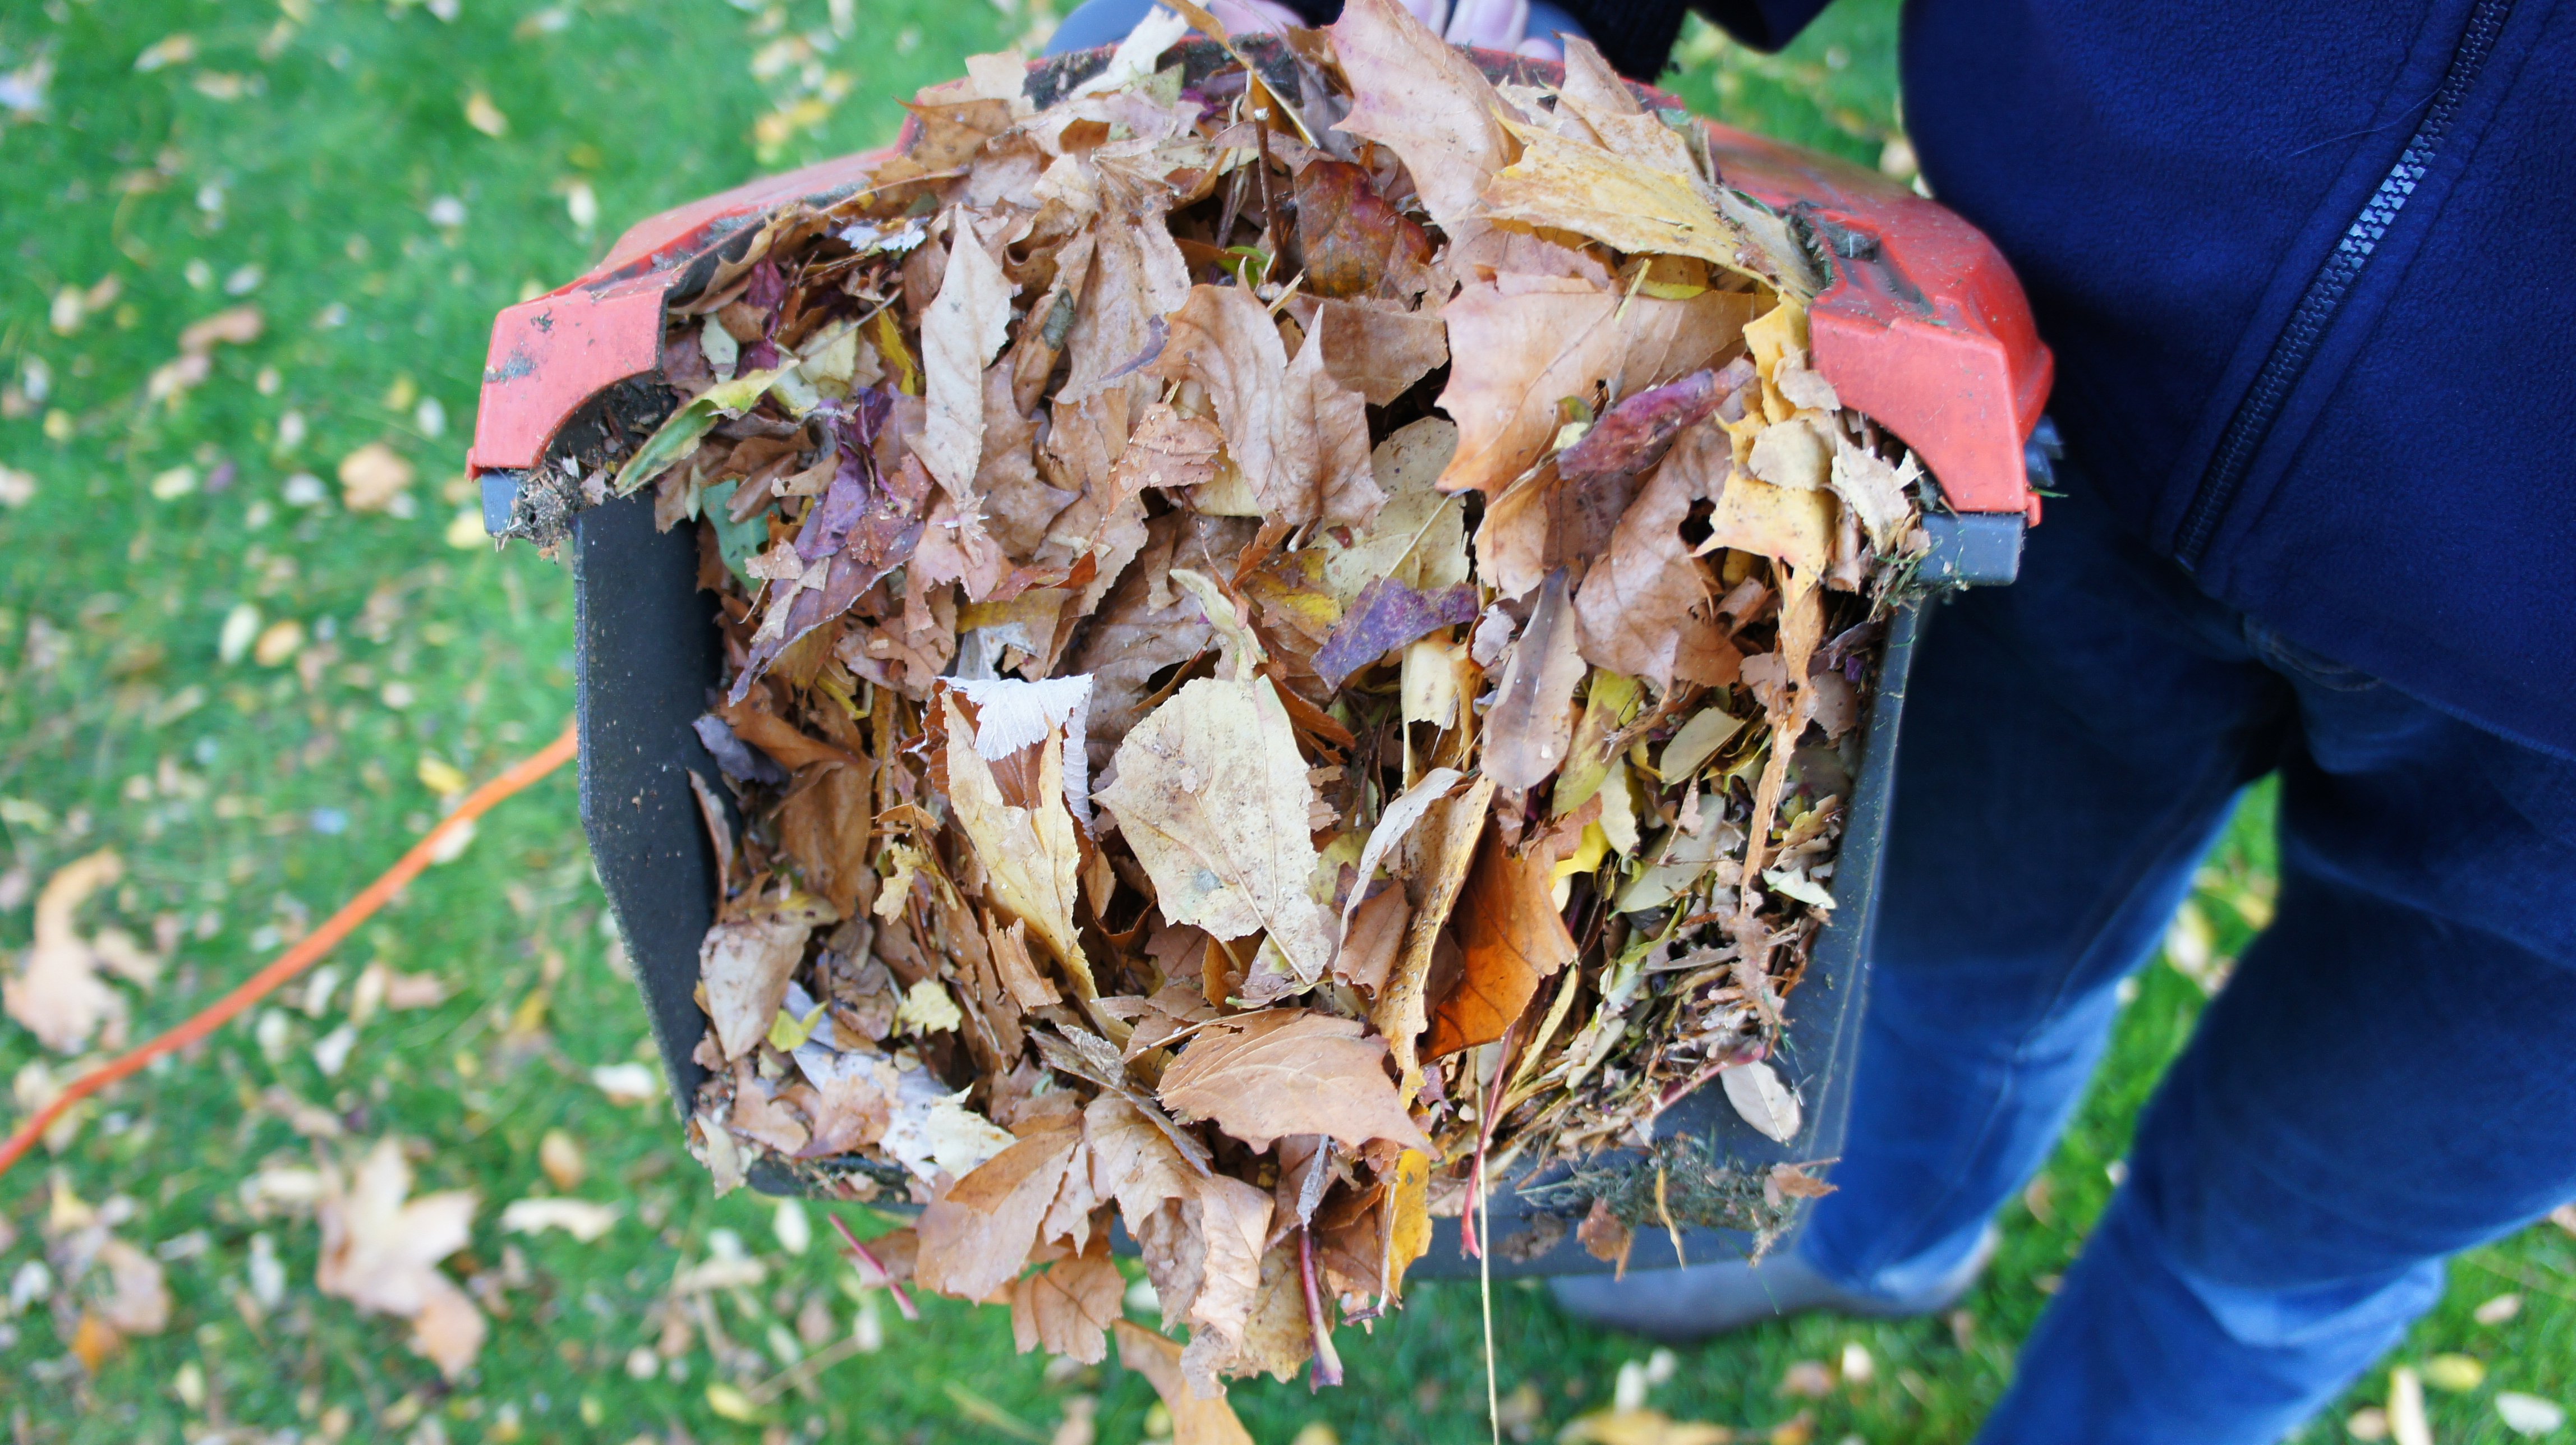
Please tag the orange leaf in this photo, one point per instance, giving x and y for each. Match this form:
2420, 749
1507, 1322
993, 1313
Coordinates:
1511, 937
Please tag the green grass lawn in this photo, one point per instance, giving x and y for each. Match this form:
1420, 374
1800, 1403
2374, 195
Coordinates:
377, 180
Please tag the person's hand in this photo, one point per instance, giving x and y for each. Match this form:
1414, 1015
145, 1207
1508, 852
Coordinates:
1492, 24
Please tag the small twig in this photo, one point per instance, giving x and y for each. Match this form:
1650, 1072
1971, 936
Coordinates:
1269, 204
1328, 1361
803, 1370
867, 1258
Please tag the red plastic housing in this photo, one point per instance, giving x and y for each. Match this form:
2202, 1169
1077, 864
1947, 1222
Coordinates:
1922, 325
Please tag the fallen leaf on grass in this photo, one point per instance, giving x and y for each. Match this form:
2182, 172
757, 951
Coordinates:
373, 477
1287, 1071
380, 1252
579, 1218
1641, 1427
1213, 796
57, 992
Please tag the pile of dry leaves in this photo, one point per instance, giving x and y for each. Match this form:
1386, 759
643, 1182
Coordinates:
1292, 627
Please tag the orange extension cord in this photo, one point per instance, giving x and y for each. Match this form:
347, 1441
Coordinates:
306, 951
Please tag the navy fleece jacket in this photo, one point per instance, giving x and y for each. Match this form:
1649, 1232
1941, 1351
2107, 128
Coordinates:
2310, 274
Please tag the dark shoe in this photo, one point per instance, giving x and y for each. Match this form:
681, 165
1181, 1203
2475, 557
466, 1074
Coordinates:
1701, 1300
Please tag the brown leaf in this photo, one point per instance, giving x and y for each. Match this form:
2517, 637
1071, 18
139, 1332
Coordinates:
1648, 607
57, 992
1032, 856
1274, 1339
1146, 627
1379, 351
1067, 1308
961, 332
783, 740
850, 1108
975, 1237
1371, 942
1510, 937
1352, 241
1605, 1236
1195, 1420
138, 1298
1289, 1071
824, 824
1132, 1161
1232, 1218
1532, 720
1300, 437
1137, 279
373, 476
1426, 102
1028, 987
1541, 340
1213, 796
745, 964
1437, 855
380, 1252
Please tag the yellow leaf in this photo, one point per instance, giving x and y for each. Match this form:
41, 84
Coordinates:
1032, 856
1565, 184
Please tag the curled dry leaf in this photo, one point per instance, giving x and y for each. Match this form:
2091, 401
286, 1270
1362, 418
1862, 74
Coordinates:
1510, 938
1196, 1419
1300, 437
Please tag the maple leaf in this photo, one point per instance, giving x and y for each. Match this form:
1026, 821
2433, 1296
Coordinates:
1066, 1309
976, 1236
1300, 437
380, 1250
1542, 339
1564, 184
1432, 106
1213, 796
1289, 1071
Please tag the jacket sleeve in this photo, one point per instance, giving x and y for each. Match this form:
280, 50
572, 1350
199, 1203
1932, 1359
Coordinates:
1637, 36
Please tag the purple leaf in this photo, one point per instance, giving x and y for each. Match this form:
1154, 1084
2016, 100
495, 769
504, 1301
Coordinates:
1386, 616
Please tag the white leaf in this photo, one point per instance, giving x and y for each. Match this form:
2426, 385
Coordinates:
2530, 1414
579, 1218
1134, 58
1767, 1104
965, 325
1011, 715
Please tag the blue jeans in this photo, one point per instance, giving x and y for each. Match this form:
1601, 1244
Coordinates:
2388, 1078
1106, 22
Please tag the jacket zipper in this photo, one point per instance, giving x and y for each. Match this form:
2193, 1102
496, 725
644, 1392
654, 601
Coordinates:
2307, 326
